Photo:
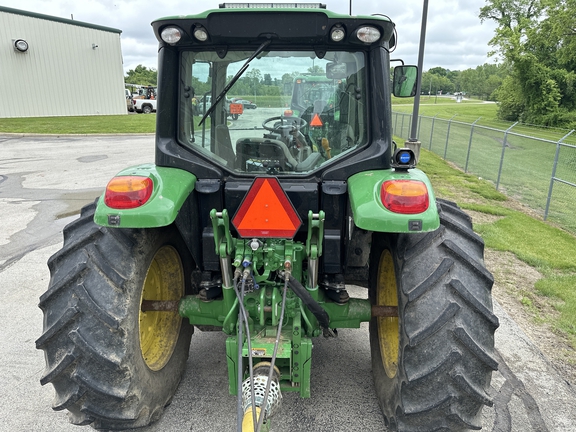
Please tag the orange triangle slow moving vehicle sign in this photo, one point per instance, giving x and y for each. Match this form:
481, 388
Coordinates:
316, 121
266, 211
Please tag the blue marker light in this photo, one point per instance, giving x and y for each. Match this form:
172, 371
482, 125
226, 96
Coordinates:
404, 157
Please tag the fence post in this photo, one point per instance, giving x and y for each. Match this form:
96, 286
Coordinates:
419, 125
553, 177
432, 132
470, 144
502, 156
402, 126
448, 135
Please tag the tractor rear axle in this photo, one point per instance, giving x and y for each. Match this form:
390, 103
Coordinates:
172, 306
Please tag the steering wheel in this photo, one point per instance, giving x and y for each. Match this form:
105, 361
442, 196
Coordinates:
289, 130
286, 123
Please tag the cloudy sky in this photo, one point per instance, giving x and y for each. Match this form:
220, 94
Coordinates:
455, 39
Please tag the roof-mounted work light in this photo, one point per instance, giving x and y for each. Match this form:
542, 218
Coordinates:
337, 33
368, 34
171, 35
201, 34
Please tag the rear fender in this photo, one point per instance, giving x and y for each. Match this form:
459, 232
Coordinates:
369, 212
171, 188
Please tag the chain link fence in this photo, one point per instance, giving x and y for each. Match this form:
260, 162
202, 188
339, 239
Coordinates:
541, 173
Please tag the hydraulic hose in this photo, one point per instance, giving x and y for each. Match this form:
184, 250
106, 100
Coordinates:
314, 307
243, 321
239, 364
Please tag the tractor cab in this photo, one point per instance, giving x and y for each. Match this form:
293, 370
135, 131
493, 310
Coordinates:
313, 74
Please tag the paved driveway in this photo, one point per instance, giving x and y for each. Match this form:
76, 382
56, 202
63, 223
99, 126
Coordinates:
45, 180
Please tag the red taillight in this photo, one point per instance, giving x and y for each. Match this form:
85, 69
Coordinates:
405, 196
128, 192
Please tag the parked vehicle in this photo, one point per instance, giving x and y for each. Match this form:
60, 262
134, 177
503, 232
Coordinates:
205, 102
145, 106
129, 101
245, 103
146, 100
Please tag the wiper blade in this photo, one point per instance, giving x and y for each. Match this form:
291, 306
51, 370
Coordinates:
234, 79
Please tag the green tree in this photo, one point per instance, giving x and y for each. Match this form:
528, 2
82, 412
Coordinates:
536, 39
316, 70
433, 83
510, 98
514, 18
142, 75
481, 81
200, 88
453, 76
288, 82
254, 78
492, 83
439, 71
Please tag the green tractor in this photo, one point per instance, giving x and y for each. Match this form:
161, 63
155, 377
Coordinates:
255, 228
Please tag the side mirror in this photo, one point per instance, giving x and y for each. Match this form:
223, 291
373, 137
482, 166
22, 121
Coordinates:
336, 70
404, 82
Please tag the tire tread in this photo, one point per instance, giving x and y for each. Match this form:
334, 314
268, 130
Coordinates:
447, 328
89, 326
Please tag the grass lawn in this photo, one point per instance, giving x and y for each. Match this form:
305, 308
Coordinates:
109, 124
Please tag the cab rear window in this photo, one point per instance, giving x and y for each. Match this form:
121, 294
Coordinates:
288, 113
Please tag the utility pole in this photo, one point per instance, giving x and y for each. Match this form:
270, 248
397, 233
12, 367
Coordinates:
413, 142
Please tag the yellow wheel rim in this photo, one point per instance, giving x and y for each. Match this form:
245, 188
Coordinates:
159, 330
388, 330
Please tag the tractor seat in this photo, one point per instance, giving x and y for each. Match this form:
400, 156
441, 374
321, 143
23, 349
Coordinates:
255, 154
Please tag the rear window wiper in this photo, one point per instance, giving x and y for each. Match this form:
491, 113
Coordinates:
234, 79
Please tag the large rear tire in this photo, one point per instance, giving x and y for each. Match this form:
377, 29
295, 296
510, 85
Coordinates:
112, 365
432, 364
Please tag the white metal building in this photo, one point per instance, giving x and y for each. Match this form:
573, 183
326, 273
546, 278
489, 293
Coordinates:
51, 66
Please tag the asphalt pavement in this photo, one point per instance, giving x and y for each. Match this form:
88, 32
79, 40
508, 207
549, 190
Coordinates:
44, 181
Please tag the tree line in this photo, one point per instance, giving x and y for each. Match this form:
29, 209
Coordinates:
481, 81
253, 82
